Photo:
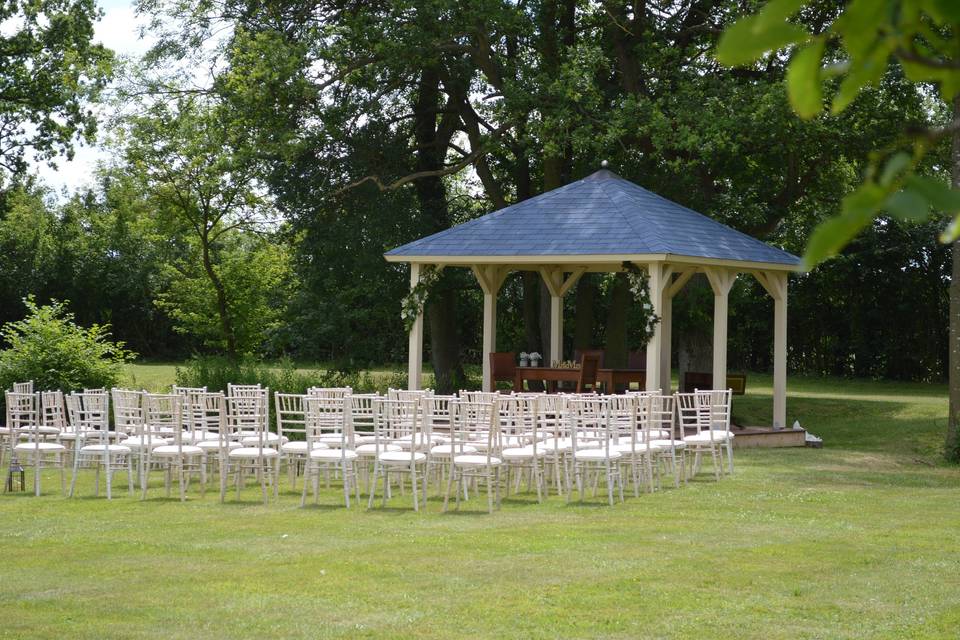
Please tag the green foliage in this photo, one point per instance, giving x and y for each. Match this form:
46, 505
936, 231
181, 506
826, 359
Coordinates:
49, 348
50, 69
640, 288
216, 372
923, 37
413, 303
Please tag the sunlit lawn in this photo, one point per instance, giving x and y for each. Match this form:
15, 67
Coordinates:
859, 539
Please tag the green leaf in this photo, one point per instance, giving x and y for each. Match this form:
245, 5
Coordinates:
952, 232
863, 72
937, 193
803, 80
944, 10
859, 208
749, 38
894, 167
778, 11
907, 205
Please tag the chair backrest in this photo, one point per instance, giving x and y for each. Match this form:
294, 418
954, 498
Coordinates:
713, 408
291, 415
240, 390
53, 411
503, 365
626, 415
688, 415
661, 421
599, 354
590, 424
478, 396
589, 368
22, 416
436, 414
517, 415
475, 422
22, 387
552, 418
163, 413
128, 414
213, 418
359, 413
247, 416
324, 417
90, 415
329, 392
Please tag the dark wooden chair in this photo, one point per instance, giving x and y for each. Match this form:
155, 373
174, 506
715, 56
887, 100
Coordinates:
637, 359
690, 381
599, 353
503, 367
589, 368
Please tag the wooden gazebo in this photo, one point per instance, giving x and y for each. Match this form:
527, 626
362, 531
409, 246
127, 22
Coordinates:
597, 224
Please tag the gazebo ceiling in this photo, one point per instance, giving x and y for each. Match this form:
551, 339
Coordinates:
601, 217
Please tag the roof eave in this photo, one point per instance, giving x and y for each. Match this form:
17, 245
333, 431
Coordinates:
597, 259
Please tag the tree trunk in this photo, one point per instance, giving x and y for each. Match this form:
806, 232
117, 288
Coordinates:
432, 139
584, 317
620, 299
445, 341
223, 310
952, 448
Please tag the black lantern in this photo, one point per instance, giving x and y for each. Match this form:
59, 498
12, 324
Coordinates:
15, 476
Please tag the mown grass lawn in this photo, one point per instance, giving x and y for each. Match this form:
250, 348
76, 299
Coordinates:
858, 540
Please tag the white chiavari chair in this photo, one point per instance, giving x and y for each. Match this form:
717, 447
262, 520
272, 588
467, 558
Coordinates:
247, 422
438, 420
478, 396
668, 451
96, 444
522, 449
291, 417
473, 423
164, 413
629, 426
707, 413
399, 424
593, 449
329, 392
24, 422
53, 413
553, 425
325, 419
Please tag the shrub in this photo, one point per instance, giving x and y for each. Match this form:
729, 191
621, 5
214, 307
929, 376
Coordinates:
48, 347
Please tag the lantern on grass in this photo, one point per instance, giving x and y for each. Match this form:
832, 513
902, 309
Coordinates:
16, 480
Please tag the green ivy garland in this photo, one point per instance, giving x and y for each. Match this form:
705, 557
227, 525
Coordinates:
412, 305
640, 288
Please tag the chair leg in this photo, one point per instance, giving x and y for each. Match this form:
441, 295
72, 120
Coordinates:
373, 484
306, 478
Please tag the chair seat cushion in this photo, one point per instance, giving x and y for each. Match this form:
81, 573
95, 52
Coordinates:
596, 454
173, 450
332, 455
253, 452
474, 460
138, 442
301, 446
370, 449
101, 448
213, 445
444, 450
705, 437
42, 446
666, 444
401, 457
254, 439
521, 453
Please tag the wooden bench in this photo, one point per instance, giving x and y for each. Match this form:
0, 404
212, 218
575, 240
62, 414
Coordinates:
693, 380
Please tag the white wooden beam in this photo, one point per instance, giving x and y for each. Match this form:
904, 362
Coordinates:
721, 280
491, 278
779, 350
658, 285
671, 288
415, 354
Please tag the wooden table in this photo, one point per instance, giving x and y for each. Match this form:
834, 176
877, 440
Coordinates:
613, 378
549, 375
609, 378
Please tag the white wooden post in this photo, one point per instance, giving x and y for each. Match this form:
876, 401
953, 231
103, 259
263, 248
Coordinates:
659, 276
775, 282
490, 279
671, 289
415, 355
720, 281
558, 287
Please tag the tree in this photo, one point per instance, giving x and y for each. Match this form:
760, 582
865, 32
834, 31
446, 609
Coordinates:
50, 70
856, 46
202, 180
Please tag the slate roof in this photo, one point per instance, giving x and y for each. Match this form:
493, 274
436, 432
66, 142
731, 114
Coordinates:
602, 214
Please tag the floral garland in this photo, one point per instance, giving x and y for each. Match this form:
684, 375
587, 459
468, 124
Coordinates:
412, 304
640, 288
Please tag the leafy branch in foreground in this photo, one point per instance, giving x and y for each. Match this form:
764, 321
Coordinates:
923, 36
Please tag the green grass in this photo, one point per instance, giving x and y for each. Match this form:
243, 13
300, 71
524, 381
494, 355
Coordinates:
860, 539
